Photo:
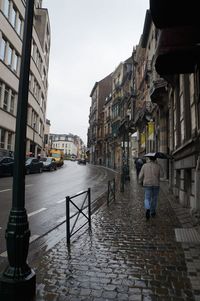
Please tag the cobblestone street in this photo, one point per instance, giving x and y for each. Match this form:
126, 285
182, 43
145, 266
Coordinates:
125, 257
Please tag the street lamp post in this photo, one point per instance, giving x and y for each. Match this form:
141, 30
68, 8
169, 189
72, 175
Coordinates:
125, 175
18, 281
127, 154
123, 164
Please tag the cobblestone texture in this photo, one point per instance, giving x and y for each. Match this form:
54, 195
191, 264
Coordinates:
124, 257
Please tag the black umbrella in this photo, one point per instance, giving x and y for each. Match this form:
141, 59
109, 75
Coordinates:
158, 155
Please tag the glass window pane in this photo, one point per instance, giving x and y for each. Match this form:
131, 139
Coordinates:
6, 7
12, 103
0, 90
15, 61
5, 100
19, 26
9, 141
182, 131
13, 17
193, 117
181, 106
2, 49
9, 55
2, 137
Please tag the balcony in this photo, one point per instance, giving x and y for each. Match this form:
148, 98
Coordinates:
116, 119
178, 50
147, 70
143, 111
108, 118
100, 137
115, 128
158, 90
167, 13
108, 136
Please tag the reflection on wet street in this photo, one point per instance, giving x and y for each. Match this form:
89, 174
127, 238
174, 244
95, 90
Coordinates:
124, 257
46, 193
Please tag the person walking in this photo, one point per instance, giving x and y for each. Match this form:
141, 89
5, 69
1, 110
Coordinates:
138, 165
149, 176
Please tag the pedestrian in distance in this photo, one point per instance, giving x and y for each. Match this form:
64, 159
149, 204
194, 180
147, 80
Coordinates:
149, 177
138, 165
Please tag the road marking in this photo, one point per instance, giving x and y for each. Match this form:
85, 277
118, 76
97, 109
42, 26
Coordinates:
61, 201
5, 190
4, 254
0, 228
32, 238
37, 211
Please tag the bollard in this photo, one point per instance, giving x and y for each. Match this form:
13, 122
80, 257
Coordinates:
108, 195
114, 186
89, 207
68, 219
122, 182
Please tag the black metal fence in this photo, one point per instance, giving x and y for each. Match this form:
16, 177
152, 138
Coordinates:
80, 211
86, 208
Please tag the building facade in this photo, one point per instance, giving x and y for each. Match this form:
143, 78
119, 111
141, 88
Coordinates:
163, 98
96, 132
110, 115
12, 13
71, 145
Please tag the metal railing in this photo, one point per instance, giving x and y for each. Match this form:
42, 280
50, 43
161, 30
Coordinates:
72, 231
90, 207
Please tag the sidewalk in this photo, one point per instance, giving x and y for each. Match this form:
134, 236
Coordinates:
126, 257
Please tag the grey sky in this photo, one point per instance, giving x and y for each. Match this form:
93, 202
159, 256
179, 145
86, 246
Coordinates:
89, 38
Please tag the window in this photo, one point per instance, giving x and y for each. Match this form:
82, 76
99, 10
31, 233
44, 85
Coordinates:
2, 138
12, 103
42, 101
39, 62
5, 100
33, 50
13, 15
15, 61
2, 49
45, 139
33, 86
9, 146
9, 58
192, 102
19, 26
6, 7
1, 88
182, 118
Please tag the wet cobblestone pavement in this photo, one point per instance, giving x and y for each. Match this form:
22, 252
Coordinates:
125, 257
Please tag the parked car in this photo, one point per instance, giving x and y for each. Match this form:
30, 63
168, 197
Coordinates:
33, 165
6, 166
82, 161
49, 163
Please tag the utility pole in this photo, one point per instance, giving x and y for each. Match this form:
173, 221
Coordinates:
18, 281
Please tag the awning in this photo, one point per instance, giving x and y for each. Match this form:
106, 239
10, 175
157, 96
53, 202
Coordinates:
168, 13
178, 50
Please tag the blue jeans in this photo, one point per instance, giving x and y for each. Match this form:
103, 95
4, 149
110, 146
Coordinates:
151, 197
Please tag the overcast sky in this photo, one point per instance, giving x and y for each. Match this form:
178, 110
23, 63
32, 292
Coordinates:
89, 38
